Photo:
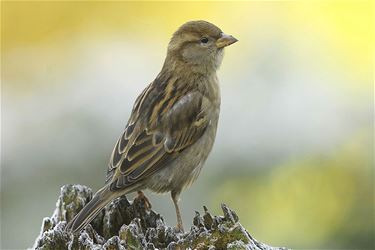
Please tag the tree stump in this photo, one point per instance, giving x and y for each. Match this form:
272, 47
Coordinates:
131, 225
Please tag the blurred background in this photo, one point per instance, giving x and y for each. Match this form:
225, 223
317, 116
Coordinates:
294, 150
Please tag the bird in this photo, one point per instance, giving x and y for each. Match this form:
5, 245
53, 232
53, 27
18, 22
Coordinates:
172, 126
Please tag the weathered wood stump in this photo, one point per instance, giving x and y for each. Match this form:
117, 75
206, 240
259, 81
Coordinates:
130, 225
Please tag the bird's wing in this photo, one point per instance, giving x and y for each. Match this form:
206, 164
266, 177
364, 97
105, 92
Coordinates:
156, 134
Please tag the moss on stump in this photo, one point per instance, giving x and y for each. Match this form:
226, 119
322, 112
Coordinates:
130, 225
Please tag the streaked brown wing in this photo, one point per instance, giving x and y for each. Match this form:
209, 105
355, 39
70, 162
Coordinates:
142, 150
128, 134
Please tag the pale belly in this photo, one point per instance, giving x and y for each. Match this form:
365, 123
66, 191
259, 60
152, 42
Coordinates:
184, 170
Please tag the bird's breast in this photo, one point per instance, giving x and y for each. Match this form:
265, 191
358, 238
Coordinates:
184, 170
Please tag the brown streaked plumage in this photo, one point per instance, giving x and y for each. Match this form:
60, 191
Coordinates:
172, 126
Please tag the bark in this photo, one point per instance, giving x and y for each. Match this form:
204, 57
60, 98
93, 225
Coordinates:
131, 225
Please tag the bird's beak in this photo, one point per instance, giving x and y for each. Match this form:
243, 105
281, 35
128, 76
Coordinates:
225, 40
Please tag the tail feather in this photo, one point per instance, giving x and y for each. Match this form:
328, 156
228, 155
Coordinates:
91, 210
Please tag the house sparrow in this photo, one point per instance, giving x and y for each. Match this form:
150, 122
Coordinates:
172, 126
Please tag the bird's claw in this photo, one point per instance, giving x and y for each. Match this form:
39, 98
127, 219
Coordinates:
143, 199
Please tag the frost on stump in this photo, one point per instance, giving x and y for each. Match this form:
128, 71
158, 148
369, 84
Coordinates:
130, 225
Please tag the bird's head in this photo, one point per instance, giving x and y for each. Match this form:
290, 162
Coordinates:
198, 45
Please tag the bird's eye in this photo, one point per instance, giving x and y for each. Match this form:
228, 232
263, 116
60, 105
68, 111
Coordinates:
204, 40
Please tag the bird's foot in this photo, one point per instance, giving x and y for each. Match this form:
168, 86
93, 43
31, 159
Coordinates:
143, 199
180, 228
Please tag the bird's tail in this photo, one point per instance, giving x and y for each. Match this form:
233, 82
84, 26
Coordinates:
91, 210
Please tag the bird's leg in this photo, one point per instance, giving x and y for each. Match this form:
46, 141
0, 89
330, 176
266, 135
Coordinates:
175, 197
142, 197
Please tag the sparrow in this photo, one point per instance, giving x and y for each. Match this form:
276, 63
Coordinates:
173, 123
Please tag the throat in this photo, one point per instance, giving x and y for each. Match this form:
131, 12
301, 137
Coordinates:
182, 67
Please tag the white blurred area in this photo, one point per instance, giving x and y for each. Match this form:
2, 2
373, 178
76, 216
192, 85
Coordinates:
60, 126
271, 95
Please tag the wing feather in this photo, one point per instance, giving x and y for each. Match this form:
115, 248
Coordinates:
151, 138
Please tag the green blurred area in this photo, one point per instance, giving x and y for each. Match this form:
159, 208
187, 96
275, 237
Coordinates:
325, 199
